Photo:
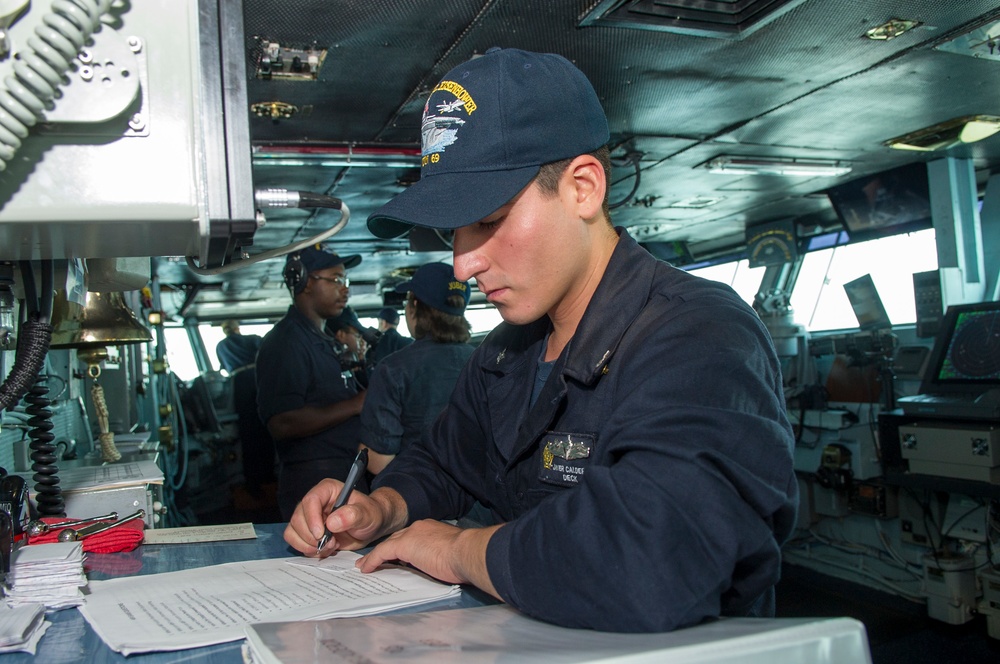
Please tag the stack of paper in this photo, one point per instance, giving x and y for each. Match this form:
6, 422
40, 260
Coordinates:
49, 574
21, 627
208, 605
88, 478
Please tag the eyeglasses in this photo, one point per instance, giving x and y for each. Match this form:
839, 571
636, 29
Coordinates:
339, 280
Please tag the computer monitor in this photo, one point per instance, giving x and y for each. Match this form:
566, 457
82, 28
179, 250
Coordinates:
888, 203
966, 355
867, 304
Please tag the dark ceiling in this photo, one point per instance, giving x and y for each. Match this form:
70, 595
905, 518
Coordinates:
682, 83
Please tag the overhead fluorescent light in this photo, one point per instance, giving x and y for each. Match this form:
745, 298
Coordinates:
728, 165
966, 129
335, 163
336, 156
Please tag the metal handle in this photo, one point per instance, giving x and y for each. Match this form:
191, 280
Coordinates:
36, 528
70, 535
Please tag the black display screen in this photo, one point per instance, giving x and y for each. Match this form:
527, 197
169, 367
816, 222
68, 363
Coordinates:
887, 203
967, 351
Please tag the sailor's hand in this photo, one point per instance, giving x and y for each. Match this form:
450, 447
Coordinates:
361, 520
312, 516
448, 553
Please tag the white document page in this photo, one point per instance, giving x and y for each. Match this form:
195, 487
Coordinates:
18, 623
210, 605
111, 476
29, 645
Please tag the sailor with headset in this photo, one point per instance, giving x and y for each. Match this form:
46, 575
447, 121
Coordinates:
310, 406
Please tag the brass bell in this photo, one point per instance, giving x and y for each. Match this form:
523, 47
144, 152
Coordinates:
105, 320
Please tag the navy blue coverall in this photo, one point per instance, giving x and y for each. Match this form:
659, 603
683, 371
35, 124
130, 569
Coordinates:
651, 485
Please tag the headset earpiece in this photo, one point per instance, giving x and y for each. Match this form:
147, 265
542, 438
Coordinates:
295, 273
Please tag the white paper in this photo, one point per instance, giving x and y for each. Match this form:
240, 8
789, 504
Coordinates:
343, 562
31, 644
51, 574
18, 623
110, 476
45, 554
210, 605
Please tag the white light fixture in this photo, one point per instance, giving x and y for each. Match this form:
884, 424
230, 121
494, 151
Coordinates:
966, 129
729, 165
337, 163
336, 156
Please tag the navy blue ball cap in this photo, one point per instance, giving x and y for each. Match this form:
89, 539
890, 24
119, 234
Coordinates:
487, 128
433, 284
389, 315
321, 256
347, 318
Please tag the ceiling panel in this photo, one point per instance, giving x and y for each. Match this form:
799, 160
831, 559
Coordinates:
808, 84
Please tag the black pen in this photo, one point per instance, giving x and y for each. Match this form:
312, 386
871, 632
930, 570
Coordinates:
357, 470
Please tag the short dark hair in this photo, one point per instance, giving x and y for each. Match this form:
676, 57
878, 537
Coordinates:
441, 327
549, 175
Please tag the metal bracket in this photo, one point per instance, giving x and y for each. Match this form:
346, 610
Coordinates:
104, 83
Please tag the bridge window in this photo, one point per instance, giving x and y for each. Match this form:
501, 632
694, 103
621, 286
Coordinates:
181, 355
744, 279
818, 299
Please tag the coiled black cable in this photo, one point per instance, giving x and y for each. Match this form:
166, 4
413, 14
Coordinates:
34, 337
32, 344
48, 493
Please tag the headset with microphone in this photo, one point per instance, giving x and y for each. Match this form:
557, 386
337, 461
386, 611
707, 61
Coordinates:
295, 273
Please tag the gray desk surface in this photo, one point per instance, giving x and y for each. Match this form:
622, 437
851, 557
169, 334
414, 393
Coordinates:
70, 638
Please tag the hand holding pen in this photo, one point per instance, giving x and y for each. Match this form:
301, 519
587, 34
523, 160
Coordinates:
357, 470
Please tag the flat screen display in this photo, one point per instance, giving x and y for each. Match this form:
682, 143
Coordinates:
967, 351
887, 203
